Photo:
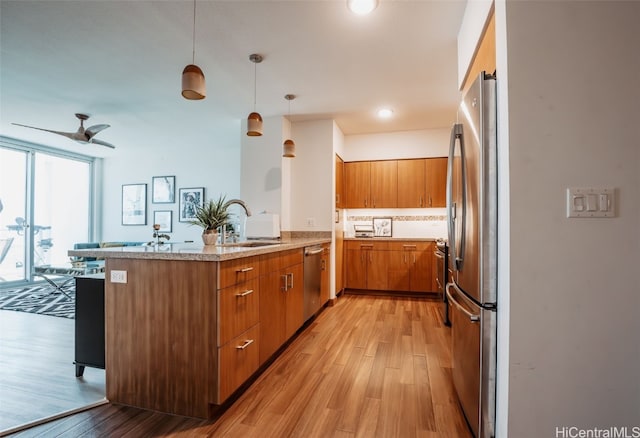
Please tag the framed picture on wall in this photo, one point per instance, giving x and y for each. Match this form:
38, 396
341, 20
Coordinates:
190, 198
382, 227
163, 189
163, 218
134, 204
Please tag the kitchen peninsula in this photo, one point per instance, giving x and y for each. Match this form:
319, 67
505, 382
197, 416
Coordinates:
187, 325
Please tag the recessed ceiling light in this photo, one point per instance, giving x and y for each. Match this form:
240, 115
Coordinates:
385, 113
362, 7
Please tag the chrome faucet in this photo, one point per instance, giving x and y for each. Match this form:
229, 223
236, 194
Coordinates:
241, 203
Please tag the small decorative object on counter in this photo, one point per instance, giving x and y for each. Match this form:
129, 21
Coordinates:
211, 216
158, 236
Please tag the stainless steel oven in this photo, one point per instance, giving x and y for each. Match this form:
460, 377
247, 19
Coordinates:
441, 254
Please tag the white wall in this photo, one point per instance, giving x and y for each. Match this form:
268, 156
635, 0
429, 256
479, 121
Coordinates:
397, 145
574, 348
212, 163
261, 166
312, 176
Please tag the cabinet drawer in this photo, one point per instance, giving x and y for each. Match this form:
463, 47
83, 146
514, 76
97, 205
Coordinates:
238, 309
238, 270
291, 257
367, 245
238, 360
409, 245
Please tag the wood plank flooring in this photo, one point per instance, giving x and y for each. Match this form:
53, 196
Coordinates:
367, 367
37, 374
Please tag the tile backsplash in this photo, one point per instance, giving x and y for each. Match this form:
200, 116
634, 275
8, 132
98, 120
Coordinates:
407, 222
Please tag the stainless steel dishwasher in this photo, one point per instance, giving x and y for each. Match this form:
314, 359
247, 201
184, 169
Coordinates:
312, 268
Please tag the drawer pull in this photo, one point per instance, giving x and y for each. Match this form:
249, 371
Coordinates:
245, 293
250, 268
409, 246
245, 345
366, 246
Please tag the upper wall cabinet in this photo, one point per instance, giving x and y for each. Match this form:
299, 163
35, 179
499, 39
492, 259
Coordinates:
422, 183
371, 184
384, 184
357, 177
436, 182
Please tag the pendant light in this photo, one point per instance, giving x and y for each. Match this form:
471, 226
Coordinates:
254, 121
289, 147
193, 85
362, 7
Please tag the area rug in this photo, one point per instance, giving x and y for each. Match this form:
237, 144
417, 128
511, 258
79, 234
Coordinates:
39, 299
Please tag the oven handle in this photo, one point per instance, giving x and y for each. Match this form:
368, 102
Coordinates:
471, 316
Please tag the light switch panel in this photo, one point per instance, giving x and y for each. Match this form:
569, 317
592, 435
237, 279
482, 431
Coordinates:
590, 202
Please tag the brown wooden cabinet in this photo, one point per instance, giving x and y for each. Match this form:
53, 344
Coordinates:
414, 183
281, 303
357, 177
436, 182
340, 196
411, 183
389, 265
384, 184
366, 265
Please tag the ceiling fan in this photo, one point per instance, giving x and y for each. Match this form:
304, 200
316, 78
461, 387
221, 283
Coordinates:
82, 135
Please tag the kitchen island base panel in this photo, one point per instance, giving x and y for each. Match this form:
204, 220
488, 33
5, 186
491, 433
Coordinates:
161, 335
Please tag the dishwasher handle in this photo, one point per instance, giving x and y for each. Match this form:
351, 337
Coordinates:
313, 251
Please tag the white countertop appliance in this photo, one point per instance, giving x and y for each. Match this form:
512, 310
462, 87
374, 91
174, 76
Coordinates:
263, 226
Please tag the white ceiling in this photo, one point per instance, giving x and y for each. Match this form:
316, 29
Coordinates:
121, 62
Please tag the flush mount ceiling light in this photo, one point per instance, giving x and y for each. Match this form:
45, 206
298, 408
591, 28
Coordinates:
193, 85
385, 113
254, 121
289, 147
362, 7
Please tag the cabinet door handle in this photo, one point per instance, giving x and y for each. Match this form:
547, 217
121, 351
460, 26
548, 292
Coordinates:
284, 277
404, 258
365, 202
245, 293
430, 201
250, 268
245, 345
290, 275
420, 200
323, 265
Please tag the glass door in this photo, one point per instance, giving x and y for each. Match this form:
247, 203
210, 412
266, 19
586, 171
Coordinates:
46, 208
14, 237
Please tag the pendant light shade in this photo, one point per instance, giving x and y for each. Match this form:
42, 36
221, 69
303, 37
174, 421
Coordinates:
289, 147
193, 84
254, 121
254, 125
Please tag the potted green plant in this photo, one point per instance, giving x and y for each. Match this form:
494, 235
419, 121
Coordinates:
211, 216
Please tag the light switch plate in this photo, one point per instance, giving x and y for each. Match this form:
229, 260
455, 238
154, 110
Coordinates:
118, 276
591, 202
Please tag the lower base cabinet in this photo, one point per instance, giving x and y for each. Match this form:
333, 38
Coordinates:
402, 266
238, 360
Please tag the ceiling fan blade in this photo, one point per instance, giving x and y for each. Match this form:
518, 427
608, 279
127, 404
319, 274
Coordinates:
66, 134
101, 143
93, 130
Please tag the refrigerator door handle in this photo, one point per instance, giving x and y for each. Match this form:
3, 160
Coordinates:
471, 316
457, 255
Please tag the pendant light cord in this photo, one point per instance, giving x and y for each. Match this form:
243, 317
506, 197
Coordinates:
255, 82
193, 53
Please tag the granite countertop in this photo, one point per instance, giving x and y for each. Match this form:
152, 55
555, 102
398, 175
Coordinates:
199, 252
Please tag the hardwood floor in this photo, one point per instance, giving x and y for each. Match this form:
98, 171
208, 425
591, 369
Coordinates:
37, 374
367, 367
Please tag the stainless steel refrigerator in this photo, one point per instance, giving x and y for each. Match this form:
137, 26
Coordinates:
472, 227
